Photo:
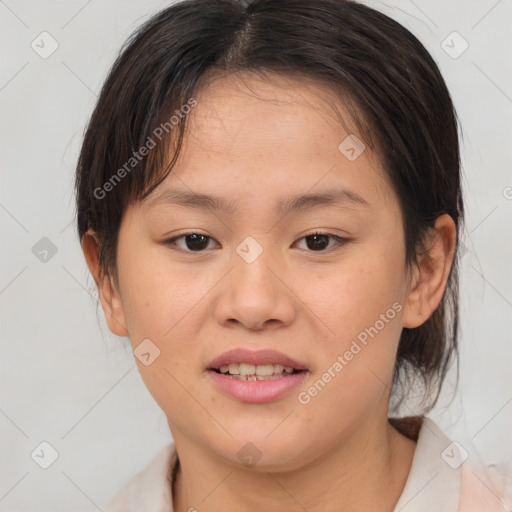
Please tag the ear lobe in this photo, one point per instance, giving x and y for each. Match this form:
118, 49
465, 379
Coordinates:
431, 276
109, 296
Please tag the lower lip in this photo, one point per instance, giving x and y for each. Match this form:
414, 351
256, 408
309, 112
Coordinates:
257, 391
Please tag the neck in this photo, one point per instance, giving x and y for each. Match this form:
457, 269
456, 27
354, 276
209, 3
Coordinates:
365, 471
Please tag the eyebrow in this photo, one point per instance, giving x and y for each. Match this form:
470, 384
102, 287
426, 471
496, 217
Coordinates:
333, 197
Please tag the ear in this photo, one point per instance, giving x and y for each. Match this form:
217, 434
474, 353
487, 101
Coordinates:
109, 296
429, 279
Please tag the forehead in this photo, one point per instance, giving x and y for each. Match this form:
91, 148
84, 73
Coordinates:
250, 135
274, 108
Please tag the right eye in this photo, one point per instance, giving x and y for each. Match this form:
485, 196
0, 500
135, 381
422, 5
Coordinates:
193, 242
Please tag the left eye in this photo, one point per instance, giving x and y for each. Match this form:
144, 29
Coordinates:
320, 241
197, 242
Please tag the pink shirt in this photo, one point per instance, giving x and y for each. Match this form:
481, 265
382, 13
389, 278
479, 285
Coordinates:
439, 481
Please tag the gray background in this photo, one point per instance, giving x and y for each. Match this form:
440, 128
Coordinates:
66, 380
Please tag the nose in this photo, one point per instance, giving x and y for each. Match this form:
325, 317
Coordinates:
256, 295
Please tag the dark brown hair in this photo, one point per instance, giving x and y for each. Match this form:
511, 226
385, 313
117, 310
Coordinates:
400, 104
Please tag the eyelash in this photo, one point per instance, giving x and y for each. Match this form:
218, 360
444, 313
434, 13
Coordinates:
340, 241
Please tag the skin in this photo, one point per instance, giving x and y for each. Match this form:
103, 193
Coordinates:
259, 141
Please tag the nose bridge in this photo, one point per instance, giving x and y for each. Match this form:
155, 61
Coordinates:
252, 261
254, 292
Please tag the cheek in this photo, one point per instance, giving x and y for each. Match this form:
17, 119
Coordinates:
353, 296
361, 303
355, 364
163, 305
160, 295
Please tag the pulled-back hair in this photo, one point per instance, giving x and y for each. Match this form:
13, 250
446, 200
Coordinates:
385, 77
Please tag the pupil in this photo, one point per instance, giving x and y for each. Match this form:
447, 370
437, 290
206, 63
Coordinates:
195, 238
324, 243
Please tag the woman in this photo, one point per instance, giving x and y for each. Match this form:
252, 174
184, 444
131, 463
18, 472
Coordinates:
268, 198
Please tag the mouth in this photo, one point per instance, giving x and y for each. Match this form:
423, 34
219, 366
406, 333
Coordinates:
244, 364
256, 376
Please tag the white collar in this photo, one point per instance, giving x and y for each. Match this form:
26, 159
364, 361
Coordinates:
434, 481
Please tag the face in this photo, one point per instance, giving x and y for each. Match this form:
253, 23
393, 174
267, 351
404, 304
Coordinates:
321, 281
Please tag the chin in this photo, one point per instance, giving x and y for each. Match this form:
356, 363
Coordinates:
261, 452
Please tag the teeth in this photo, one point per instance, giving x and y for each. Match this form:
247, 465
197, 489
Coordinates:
255, 377
233, 369
246, 371
265, 369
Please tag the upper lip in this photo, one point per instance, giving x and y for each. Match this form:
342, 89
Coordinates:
242, 355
